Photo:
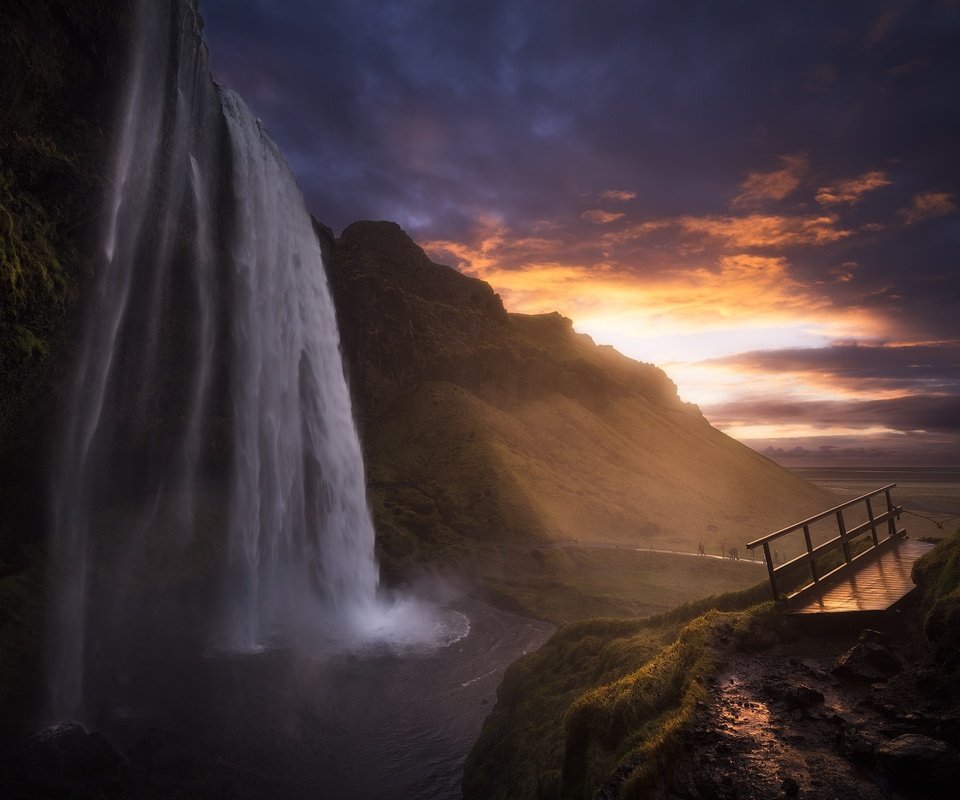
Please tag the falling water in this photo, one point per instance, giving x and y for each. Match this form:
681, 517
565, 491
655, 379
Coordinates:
298, 507
209, 352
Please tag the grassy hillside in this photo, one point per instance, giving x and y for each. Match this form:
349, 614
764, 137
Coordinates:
603, 691
482, 427
564, 584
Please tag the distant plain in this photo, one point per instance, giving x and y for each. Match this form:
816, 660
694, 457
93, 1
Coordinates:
928, 494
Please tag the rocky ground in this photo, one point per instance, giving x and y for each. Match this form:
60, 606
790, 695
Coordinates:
65, 762
846, 712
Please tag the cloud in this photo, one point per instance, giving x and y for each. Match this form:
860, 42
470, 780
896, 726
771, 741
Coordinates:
766, 230
618, 195
536, 275
909, 413
877, 450
861, 371
776, 185
849, 191
601, 217
691, 234
927, 205
821, 78
881, 27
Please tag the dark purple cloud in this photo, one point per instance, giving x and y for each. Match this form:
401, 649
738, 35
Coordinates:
851, 451
446, 115
911, 414
522, 105
932, 367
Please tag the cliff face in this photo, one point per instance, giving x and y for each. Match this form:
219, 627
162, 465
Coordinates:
405, 320
486, 427
61, 64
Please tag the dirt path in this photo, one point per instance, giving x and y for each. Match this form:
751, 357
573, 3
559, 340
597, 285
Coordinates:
785, 723
589, 545
773, 728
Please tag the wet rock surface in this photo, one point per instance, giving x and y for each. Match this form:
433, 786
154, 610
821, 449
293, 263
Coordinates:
67, 762
788, 723
870, 659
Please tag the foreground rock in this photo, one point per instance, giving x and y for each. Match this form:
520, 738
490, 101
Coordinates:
869, 659
787, 723
919, 764
67, 762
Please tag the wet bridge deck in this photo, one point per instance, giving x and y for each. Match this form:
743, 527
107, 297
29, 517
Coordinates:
874, 583
864, 568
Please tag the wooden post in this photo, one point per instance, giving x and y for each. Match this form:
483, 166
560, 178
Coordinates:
810, 558
891, 522
873, 522
773, 580
843, 536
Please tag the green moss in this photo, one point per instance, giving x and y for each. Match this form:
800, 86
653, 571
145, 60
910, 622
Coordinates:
64, 54
937, 576
645, 715
59, 61
603, 691
31, 274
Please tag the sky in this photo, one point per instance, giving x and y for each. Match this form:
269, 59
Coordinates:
761, 198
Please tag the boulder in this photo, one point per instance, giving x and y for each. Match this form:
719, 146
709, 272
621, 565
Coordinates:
869, 659
65, 761
793, 696
920, 763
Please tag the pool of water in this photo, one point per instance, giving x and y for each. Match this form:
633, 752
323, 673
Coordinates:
380, 721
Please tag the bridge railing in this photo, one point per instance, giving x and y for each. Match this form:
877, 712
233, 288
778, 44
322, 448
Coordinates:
842, 548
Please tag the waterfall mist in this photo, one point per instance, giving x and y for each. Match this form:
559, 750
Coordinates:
210, 486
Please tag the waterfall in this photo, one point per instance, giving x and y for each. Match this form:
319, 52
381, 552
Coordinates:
208, 357
298, 501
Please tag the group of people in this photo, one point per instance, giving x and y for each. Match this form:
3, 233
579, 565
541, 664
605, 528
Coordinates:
733, 552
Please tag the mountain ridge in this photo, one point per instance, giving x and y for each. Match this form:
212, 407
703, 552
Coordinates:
532, 428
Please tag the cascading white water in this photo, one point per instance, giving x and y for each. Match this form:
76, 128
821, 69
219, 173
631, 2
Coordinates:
210, 299
148, 183
298, 515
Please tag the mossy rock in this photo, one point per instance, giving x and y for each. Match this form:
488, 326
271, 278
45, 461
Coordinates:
937, 576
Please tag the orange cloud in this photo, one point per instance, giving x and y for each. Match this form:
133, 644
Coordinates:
741, 289
774, 185
766, 230
601, 217
927, 205
849, 191
675, 290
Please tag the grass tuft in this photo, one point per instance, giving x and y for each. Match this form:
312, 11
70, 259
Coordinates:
606, 692
937, 575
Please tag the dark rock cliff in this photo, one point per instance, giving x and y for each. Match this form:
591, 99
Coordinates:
62, 62
61, 65
405, 319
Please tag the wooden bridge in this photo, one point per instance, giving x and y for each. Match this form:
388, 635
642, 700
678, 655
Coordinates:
863, 568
